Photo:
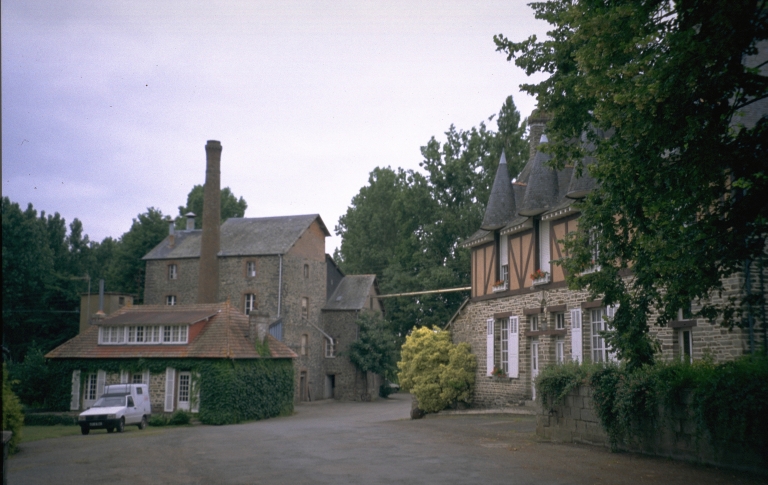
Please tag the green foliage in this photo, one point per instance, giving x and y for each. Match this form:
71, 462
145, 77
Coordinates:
30, 379
405, 226
230, 391
49, 419
728, 401
375, 349
158, 420
231, 206
13, 417
180, 417
126, 272
682, 177
385, 390
435, 370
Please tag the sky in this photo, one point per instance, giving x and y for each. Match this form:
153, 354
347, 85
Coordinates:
107, 106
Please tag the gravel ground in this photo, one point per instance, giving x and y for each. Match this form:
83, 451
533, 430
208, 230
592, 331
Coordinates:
341, 442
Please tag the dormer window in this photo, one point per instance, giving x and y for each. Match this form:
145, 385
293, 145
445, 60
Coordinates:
144, 335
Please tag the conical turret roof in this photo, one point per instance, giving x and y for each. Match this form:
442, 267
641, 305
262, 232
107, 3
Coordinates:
541, 194
501, 203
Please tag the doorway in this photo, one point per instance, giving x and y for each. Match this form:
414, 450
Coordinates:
185, 379
303, 394
330, 386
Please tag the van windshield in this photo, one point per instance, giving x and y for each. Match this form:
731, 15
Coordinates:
110, 401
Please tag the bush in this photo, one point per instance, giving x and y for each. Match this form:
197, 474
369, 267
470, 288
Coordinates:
13, 417
180, 417
437, 372
385, 390
30, 380
158, 420
40, 419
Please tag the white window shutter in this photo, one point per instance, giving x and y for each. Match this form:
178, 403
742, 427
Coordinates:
611, 311
101, 379
170, 386
489, 347
123, 377
514, 346
544, 246
74, 404
576, 348
195, 392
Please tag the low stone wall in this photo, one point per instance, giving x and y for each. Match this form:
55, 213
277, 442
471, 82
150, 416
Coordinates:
673, 435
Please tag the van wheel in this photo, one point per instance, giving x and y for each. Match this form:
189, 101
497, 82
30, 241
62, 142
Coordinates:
143, 423
121, 425
85, 429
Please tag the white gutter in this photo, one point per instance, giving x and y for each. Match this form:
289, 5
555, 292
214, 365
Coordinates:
429, 292
321, 331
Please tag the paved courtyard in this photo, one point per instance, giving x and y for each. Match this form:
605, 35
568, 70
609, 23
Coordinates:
339, 442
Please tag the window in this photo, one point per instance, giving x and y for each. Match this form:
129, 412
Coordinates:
250, 303
138, 379
306, 271
184, 388
120, 301
502, 349
175, 334
170, 300
304, 342
304, 307
136, 334
130, 402
534, 323
250, 269
329, 348
504, 340
504, 272
173, 271
90, 387
598, 343
111, 335
559, 321
685, 337
559, 350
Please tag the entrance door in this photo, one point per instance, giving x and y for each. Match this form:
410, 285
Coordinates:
534, 367
185, 379
330, 386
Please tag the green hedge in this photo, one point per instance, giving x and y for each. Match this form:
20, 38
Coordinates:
46, 419
231, 391
729, 401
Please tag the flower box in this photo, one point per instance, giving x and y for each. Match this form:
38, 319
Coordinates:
500, 286
540, 277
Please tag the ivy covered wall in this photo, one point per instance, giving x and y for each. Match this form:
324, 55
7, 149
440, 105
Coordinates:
231, 391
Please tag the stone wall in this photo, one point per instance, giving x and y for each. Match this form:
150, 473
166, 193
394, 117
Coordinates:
674, 435
350, 382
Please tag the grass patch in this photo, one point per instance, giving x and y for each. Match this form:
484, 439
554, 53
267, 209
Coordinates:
37, 433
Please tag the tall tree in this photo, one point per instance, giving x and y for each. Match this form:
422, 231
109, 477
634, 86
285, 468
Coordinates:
231, 206
406, 227
680, 89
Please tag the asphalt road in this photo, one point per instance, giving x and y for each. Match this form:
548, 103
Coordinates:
339, 442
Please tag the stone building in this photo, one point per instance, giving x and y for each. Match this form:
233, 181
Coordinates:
521, 316
273, 265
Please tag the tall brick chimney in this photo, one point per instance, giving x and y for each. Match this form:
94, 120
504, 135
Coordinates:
208, 280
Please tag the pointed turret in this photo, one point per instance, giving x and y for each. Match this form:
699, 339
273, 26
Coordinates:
501, 203
541, 194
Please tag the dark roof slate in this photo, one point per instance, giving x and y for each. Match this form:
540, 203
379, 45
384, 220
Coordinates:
255, 236
501, 203
543, 187
352, 293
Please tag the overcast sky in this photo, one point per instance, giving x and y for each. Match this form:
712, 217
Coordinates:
107, 106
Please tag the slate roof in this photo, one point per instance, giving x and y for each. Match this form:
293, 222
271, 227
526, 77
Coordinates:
543, 187
501, 203
223, 336
352, 293
256, 236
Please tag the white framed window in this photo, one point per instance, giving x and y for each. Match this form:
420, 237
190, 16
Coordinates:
173, 271
111, 335
90, 387
576, 344
304, 344
505, 272
534, 366
559, 350
514, 347
559, 321
330, 350
599, 353
304, 307
249, 303
153, 334
185, 382
489, 347
170, 300
250, 269
174, 334
534, 322
685, 338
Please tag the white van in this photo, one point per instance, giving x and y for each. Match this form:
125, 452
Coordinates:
120, 404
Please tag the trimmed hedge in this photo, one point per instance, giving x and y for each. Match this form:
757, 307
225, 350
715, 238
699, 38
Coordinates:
47, 419
729, 401
231, 391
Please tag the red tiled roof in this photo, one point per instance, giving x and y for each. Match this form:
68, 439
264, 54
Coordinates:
224, 335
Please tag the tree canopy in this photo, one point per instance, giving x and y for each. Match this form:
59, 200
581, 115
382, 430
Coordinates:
231, 206
405, 226
671, 97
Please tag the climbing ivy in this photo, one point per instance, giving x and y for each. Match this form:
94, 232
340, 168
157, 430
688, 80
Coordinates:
728, 401
231, 391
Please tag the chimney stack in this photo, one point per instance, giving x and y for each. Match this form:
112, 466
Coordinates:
208, 280
171, 233
190, 221
258, 326
536, 124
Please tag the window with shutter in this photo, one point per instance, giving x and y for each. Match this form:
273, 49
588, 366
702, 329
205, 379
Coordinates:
504, 347
101, 380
